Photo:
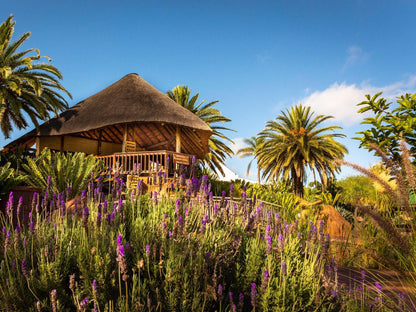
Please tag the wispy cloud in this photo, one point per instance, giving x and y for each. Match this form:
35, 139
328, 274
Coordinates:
355, 55
340, 100
263, 57
238, 144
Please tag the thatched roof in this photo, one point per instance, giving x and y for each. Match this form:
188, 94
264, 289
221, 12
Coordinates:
129, 100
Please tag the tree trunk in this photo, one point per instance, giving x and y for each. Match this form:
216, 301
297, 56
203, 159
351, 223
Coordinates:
297, 184
258, 175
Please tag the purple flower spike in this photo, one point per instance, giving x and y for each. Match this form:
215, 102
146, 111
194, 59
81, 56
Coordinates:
119, 240
284, 268
253, 295
84, 303
85, 214
94, 287
147, 251
269, 245
24, 268
219, 292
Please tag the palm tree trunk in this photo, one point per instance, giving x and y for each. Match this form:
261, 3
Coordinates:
297, 183
258, 175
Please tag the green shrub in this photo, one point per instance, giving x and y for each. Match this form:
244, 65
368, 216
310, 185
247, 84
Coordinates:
55, 172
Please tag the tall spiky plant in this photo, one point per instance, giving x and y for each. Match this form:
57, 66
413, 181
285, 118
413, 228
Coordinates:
62, 171
27, 88
403, 173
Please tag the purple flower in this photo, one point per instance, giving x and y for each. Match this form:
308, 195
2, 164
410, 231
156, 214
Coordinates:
19, 205
99, 220
253, 295
94, 287
219, 292
378, 286
32, 228
85, 214
24, 268
334, 293
230, 295
269, 245
9, 206
284, 268
241, 300
147, 251
281, 242
84, 303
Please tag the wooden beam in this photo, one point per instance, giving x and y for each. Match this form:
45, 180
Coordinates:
62, 143
178, 139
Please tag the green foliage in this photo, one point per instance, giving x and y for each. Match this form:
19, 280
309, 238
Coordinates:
389, 123
16, 157
293, 142
27, 88
63, 171
8, 179
218, 149
355, 190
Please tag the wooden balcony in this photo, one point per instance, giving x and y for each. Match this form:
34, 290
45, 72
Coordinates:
145, 162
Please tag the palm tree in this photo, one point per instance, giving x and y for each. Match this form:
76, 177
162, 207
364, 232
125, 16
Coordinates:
218, 150
251, 149
293, 143
27, 88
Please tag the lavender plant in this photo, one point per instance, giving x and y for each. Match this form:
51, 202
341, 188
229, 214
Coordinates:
181, 254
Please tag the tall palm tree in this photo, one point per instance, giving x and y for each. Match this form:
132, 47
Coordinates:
27, 88
293, 143
218, 150
251, 149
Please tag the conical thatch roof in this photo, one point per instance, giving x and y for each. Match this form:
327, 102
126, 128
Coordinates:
129, 100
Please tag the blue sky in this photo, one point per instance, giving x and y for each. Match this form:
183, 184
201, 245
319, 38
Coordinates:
256, 58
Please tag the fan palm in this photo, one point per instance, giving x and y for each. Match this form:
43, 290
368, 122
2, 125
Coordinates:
27, 88
293, 143
218, 150
251, 149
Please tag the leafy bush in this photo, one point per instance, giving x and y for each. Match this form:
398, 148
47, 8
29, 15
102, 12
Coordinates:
8, 179
58, 172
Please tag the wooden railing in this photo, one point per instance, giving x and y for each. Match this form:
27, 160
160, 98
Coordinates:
145, 162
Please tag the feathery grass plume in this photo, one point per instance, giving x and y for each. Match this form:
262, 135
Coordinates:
401, 194
408, 165
387, 226
369, 174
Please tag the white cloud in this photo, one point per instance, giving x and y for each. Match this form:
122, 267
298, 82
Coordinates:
340, 100
238, 144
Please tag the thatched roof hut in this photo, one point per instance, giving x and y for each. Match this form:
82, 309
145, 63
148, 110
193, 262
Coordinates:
128, 110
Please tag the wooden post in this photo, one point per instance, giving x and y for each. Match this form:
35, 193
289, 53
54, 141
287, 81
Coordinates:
62, 143
37, 146
123, 149
178, 139
100, 135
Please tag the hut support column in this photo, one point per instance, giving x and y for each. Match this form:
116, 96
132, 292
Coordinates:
37, 146
178, 140
100, 135
123, 149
